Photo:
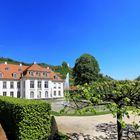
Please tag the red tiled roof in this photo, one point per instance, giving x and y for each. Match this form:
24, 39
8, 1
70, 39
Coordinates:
8, 69
36, 67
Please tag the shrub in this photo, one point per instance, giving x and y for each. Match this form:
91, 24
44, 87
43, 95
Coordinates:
25, 119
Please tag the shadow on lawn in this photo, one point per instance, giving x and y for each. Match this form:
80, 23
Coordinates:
109, 130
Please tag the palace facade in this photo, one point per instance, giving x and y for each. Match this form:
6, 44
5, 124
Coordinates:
30, 82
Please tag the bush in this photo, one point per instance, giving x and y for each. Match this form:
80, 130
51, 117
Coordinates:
25, 119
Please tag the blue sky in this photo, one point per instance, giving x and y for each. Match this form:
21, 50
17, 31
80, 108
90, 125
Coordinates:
52, 31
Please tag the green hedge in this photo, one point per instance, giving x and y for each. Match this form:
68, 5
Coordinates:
25, 119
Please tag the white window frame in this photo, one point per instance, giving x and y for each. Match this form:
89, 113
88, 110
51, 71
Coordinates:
11, 94
54, 92
32, 84
15, 75
39, 84
46, 84
11, 84
4, 84
31, 95
39, 94
46, 94
4, 93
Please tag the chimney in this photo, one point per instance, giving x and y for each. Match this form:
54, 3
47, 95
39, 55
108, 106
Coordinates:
34, 62
20, 65
5, 63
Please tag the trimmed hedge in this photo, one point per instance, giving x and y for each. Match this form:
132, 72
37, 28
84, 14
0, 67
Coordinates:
25, 119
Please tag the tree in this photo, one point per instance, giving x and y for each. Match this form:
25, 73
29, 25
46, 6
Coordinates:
121, 95
104, 78
65, 65
86, 70
118, 96
138, 78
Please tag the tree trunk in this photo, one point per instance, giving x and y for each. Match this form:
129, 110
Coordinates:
119, 127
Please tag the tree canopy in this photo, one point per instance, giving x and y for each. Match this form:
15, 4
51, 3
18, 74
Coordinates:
118, 96
138, 78
86, 70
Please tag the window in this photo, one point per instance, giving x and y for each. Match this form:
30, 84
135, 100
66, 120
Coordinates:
18, 94
45, 74
39, 84
1, 75
4, 93
31, 94
31, 73
39, 94
4, 84
54, 93
39, 74
6, 68
46, 94
12, 94
18, 84
11, 84
31, 84
59, 85
46, 84
55, 77
59, 93
15, 75
54, 85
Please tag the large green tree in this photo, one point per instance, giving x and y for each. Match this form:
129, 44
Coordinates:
86, 70
138, 78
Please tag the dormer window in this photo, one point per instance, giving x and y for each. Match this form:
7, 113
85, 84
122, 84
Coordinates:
1, 75
39, 73
45, 74
6, 68
31, 73
55, 77
15, 75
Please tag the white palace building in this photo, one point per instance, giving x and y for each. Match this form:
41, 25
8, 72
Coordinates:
30, 82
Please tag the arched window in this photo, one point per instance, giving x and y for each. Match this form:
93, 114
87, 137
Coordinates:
1, 75
46, 94
39, 94
18, 94
31, 94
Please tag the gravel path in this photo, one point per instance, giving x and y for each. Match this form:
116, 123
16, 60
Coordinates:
99, 127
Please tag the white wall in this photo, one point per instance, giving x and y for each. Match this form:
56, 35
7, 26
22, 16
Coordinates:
8, 89
25, 91
36, 90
